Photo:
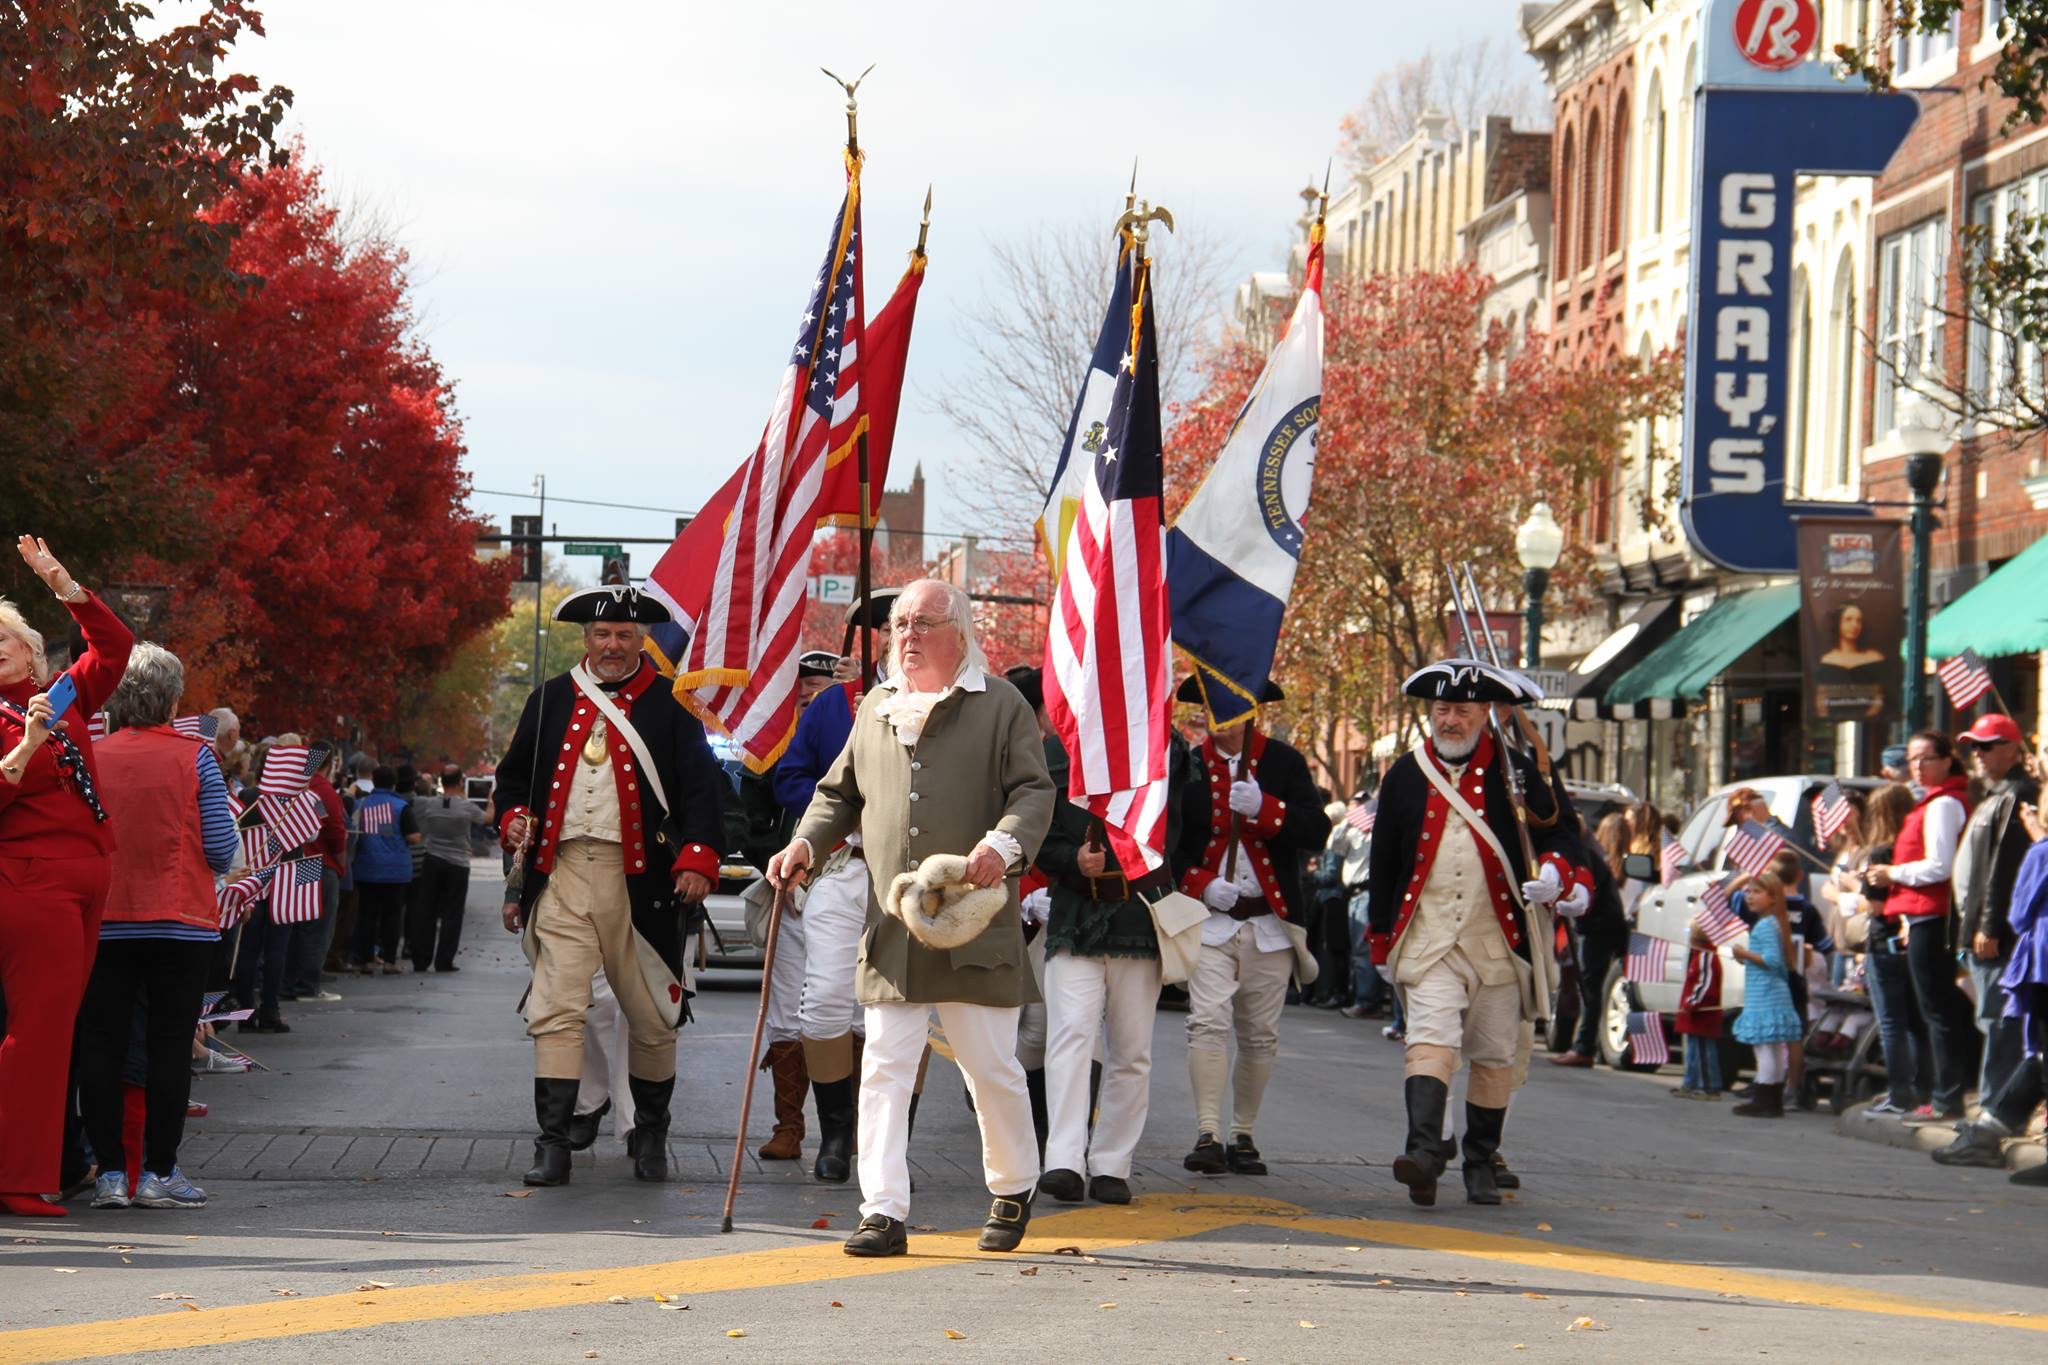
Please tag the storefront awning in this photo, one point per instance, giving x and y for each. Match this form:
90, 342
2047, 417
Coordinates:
1681, 667
2005, 614
1587, 681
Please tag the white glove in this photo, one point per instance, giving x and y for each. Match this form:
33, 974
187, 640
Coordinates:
1577, 903
1545, 888
1220, 895
1246, 798
1037, 906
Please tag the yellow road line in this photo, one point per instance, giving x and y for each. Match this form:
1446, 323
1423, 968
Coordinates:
1149, 1220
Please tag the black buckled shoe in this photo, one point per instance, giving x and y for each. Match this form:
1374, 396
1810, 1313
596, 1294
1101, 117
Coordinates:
1208, 1157
1008, 1216
647, 1144
1243, 1158
554, 1104
583, 1127
878, 1235
1109, 1189
1065, 1186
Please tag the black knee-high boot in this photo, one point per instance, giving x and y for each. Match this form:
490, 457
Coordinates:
1482, 1141
1427, 1154
647, 1144
554, 1106
834, 1101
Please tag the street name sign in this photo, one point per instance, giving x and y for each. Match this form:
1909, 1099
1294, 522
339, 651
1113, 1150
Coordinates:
592, 547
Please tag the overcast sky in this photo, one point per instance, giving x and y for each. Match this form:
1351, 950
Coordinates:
615, 211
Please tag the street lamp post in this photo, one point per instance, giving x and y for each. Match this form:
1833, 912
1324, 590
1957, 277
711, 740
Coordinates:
1539, 543
1925, 437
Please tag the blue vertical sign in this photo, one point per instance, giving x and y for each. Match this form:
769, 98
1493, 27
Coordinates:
1762, 116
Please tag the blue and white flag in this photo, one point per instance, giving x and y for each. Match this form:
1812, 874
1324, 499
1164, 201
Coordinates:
1232, 553
1088, 431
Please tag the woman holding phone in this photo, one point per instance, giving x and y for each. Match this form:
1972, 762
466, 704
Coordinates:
56, 847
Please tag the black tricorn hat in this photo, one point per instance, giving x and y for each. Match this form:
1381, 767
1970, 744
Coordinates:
816, 663
1463, 680
1190, 689
611, 602
1028, 680
875, 609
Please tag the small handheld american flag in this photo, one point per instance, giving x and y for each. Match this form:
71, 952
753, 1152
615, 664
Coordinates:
96, 728
1965, 679
1646, 1039
205, 727
1717, 918
289, 767
1647, 957
1830, 812
295, 893
1670, 860
1752, 845
1361, 816
236, 897
295, 823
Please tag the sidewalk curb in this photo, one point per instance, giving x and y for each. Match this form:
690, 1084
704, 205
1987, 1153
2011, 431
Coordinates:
1859, 1123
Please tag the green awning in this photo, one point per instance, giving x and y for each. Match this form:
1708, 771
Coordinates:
2005, 614
1683, 665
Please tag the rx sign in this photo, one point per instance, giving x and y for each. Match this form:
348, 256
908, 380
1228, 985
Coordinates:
1763, 115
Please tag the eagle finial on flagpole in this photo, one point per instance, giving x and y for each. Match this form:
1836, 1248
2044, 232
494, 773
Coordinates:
852, 89
1135, 219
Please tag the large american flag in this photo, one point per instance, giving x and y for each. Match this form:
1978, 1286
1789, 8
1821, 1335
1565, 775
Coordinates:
1965, 679
739, 673
1107, 655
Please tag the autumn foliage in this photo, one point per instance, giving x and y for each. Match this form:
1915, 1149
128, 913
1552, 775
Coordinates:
1438, 433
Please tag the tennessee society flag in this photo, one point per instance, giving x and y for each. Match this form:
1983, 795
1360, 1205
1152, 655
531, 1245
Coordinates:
1232, 552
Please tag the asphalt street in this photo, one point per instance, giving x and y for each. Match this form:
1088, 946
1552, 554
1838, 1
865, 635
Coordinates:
366, 1205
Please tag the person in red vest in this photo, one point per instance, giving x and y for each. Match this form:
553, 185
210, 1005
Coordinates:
158, 935
55, 844
1919, 900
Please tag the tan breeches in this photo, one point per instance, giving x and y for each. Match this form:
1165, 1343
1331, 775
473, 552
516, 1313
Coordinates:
584, 920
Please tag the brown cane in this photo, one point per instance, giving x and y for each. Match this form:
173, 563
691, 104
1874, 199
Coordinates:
739, 1146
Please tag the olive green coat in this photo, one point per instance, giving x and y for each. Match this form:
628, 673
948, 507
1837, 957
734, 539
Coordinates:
978, 766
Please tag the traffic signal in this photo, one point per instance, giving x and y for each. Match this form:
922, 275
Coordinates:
617, 569
525, 546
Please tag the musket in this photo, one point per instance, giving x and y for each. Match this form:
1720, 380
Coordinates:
1516, 799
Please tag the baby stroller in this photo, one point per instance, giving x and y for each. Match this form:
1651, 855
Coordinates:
1844, 1060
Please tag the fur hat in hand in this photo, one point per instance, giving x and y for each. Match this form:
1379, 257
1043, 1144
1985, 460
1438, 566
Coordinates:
940, 907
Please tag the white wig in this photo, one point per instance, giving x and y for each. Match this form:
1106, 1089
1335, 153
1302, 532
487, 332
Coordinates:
959, 612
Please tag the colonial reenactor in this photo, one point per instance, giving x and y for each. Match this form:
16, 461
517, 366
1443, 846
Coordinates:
611, 799
1101, 975
1249, 815
1454, 910
834, 914
944, 779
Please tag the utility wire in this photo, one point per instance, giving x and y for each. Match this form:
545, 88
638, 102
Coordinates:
980, 537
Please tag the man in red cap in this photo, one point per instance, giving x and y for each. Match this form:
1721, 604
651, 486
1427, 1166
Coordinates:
1988, 859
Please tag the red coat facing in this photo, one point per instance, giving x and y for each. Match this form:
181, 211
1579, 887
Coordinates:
1255, 832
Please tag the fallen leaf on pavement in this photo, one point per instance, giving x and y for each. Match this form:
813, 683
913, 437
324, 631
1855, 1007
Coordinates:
1462, 1293
590, 1355
286, 1293
660, 1297
373, 1284
1586, 1325
1105, 1305
836, 1304
1382, 1281
170, 1297
1029, 1270
737, 1332
638, 1221
28, 1241
821, 1222
617, 1298
193, 1306
516, 1194
1543, 1227
1066, 1251
1695, 1215
1532, 1294
1304, 1322
63, 1270
952, 1335
118, 1246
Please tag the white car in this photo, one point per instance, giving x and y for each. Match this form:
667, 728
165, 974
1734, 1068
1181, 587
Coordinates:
1666, 912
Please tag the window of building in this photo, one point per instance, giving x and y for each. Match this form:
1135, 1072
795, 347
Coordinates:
1590, 246
1913, 49
1653, 153
1912, 268
1617, 178
1999, 358
1797, 458
1567, 166
1842, 344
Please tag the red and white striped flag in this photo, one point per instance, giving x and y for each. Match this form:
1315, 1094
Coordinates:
96, 728
235, 898
296, 822
1965, 679
1717, 918
1830, 813
1646, 1039
1362, 816
206, 727
1108, 670
287, 768
1647, 958
739, 673
295, 892
376, 817
1670, 860
1752, 845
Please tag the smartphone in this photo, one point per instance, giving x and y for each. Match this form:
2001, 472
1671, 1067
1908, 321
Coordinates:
62, 693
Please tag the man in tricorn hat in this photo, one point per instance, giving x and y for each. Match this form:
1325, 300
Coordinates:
611, 799
835, 910
1249, 814
1455, 911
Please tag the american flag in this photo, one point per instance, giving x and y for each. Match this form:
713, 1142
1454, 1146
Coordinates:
260, 847
1647, 957
235, 898
287, 768
1830, 812
1362, 815
1108, 666
1752, 845
96, 728
1717, 918
1965, 679
295, 893
1670, 860
1646, 1038
205, 727
376, 817
739, 673
296, 822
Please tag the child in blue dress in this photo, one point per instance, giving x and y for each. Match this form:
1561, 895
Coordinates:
1768, 1023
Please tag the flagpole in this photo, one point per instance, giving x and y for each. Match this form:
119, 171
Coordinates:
866, 518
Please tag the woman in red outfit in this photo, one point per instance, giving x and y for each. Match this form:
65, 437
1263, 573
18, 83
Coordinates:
55, 850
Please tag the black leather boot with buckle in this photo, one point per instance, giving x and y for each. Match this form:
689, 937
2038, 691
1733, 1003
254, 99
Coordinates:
1419, 1166
647, 1144
554, 1106
1008, 1216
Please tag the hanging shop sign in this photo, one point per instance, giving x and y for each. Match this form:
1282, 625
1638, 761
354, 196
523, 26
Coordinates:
1765, 112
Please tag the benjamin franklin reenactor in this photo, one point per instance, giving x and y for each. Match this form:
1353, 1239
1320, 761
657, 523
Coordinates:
610, 796
1454, 911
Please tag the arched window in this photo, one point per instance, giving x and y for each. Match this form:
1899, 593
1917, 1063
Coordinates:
1617, 180
1798, 460
1842, 372
1644, 491
1653, 152
1686, 82
1589, 198
1562, 259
